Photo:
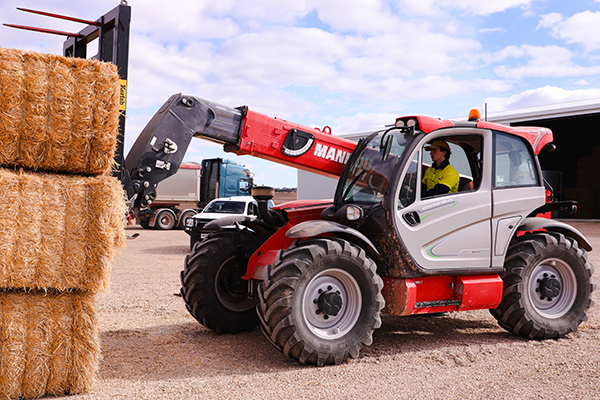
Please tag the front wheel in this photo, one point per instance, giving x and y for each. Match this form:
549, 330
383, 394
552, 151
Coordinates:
212, 285
321, 302
548, 286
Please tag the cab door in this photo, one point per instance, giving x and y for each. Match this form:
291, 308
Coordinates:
449, 233
517, 189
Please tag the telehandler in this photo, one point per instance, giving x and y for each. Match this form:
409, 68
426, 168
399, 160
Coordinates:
316, 275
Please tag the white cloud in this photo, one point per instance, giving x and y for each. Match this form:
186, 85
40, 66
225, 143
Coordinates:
492, 30
542, 61
362, 122
471, 7
549, 20
489, 85
272, 10
581, 28
363, 16
581, 82
539, 97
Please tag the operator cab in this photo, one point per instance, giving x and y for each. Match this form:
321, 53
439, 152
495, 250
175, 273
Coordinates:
466, 232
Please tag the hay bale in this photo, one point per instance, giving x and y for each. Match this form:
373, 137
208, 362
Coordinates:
59, 232
11, 103
9, 221
13, 344
49, 343
56, 113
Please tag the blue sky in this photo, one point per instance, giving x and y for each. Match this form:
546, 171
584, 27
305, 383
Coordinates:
353, 65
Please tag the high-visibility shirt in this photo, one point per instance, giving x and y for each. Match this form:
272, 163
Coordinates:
445, 175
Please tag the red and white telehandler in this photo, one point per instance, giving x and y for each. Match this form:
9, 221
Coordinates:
316, 275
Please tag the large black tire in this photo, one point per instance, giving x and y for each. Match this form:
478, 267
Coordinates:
165, 220
211, 283
144, 223
548, 286
321, 301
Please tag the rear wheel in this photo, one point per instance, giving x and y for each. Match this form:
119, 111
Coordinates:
548, 286
321, 302
165, 220
211, 283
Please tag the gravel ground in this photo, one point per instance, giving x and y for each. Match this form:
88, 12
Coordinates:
153, 349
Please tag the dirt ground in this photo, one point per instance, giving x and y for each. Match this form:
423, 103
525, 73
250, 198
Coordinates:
283, 197
153, 349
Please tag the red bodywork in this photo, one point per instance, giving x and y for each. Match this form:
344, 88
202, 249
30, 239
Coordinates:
536, 136
441, 294
296, 212
262, 136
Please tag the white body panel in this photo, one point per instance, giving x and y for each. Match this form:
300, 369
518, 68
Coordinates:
468, 229
511, 206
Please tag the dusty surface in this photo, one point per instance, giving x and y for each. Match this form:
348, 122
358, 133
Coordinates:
153, 349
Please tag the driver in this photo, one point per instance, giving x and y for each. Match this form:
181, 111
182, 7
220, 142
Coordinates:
441, 177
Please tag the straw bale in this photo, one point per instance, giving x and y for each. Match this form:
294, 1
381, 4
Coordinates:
34, 123
104, 226
83, 114
9, 221
49, 343
31, 211
67, 234
56, 113
105, 119
39, 345
60, 92
62, 345
74, 257
13, 336
85, 344
11, 100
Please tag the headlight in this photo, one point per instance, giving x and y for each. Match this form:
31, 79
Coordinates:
353, 213
189, 223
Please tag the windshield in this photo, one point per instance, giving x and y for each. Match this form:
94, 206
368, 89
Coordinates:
369, 173
226, 207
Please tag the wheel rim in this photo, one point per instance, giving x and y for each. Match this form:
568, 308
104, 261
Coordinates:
228, 287
333, 291
165, 220
552, 288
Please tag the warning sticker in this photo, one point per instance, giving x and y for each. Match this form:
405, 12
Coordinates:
122, 94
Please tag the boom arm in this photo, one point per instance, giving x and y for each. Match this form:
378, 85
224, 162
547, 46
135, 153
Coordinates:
160, 148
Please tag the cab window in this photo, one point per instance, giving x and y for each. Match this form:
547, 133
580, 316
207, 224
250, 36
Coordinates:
514, 165
465, 157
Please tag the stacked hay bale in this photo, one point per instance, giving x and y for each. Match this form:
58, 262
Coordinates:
61, 216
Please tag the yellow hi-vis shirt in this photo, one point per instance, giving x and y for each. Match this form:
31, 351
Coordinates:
447, 176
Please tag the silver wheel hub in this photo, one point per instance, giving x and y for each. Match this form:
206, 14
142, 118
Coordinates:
332, 303
552, 288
